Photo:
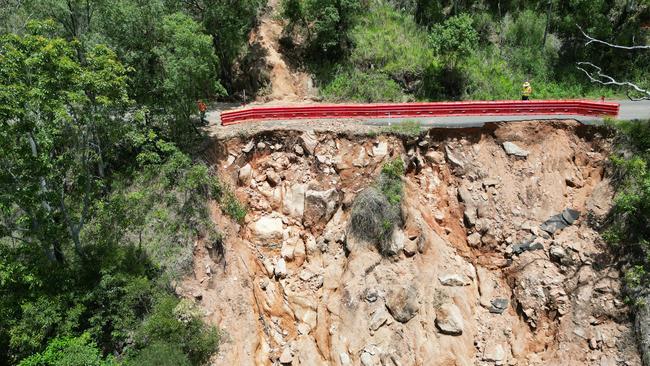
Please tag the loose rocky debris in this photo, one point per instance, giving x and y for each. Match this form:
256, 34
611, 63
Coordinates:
512, 149
560, 221
478, 273
449, 320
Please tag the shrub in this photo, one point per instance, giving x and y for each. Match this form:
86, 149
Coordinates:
69, 351
174, 324
389, 41
160, 354
377, 211
374, 218
408, 128
522, 41
455, 39
358, 86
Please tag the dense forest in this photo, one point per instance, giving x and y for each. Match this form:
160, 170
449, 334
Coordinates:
103, 190
440, 50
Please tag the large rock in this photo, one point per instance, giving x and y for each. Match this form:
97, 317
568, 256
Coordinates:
286, 357
245, 174
494, 353
512, 149
402, 302
560, 221
396, 242
449, 319
268, 228
453, 158
308, 140
293, 203
454, 280
281, 268
320, 206
380, 150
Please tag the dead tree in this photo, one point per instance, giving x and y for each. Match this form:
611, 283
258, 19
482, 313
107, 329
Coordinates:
596, 75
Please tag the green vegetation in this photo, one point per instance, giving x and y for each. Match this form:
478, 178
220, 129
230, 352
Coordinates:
441, 50
377, 210
407, 128
101, 200
627, 226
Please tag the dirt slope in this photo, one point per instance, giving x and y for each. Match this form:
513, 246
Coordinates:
286, 84
477, 279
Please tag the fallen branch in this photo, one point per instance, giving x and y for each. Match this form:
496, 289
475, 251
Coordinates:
612, 45
604, 79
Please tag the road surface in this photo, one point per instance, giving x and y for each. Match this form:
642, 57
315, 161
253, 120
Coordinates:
629, 111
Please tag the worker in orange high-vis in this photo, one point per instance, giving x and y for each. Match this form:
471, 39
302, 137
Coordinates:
202, 109
526, 91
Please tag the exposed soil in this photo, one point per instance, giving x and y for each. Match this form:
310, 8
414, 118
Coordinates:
286, 84
476, 278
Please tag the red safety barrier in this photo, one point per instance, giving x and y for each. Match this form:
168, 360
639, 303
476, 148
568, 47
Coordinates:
438, 109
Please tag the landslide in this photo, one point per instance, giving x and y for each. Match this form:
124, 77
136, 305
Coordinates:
497, 258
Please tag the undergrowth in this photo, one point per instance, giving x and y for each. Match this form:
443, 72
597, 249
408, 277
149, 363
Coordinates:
406, 128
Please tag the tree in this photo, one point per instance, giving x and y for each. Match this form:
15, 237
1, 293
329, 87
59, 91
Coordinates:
327, 23
455, 39
60, 119
69, 351
188, 66
229, 23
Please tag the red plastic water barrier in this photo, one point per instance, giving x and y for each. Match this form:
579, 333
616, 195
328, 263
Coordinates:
438, 109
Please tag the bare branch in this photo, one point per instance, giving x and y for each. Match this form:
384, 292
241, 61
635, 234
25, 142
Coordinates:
595, 40
597, 76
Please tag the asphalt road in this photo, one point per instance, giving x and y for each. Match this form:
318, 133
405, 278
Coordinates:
629, 111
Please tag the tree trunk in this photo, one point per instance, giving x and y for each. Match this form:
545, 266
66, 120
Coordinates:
548, 22
642, 325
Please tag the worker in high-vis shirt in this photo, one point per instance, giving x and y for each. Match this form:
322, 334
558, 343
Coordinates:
526, 91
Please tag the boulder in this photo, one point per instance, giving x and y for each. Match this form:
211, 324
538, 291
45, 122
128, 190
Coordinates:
557, 253
396, 242
287, 251
286, 357
512, 149
379, 318
345, 359
308, 140
249, 147
498, 305
402, 302
434, 157
527, 245
410, 248
560, 221
268, 228
474, 239
454, 280
281, 268
320, 206
449, 320
273, 178
494, 353
361, 160
453, 158
293, 203
380, 150
245, 174
299, 252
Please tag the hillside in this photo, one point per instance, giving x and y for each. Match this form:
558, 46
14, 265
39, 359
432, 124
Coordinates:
137, 230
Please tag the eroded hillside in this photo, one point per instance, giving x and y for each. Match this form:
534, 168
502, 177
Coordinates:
497, 261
